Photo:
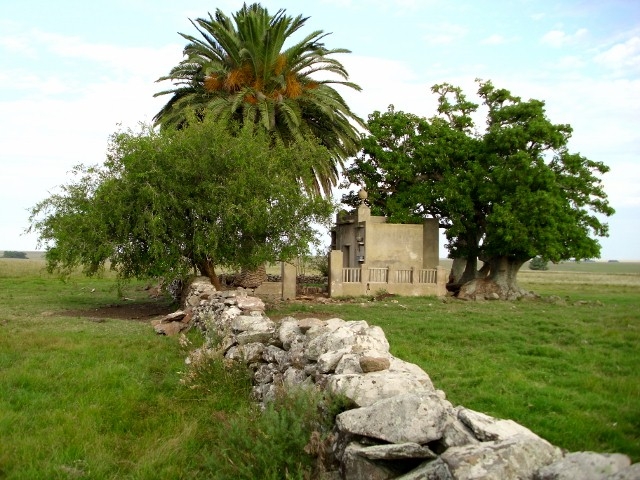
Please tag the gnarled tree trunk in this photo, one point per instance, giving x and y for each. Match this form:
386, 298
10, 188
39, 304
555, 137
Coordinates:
206, 268
499, 281
457, 269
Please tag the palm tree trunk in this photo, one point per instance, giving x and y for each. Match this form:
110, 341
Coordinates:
252, 278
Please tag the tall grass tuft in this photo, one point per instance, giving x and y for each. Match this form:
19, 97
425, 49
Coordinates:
286, 440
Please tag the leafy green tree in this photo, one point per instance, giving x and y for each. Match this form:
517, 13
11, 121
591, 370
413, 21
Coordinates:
240, 71
538, 263
504, 195
13, 254
166, 202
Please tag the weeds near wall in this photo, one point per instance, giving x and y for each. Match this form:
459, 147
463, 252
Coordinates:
288, 439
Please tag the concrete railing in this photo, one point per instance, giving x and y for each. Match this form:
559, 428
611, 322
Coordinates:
378, 275
366, 280
428, 275
352, 275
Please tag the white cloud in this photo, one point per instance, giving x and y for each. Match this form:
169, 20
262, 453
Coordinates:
16, 44
494, 39
558, 38
570, 62
621, 56
386, 82
445, 34
142, 61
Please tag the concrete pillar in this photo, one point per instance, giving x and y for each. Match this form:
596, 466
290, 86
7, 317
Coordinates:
335, 273
391, 274
430, 243
289, 274
441, 281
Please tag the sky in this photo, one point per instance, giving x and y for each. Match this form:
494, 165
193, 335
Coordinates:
73, 72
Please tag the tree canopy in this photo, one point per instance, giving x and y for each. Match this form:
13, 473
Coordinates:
240, 71
504, 195
166, 202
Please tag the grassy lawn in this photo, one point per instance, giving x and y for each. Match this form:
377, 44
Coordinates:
83, 396
88, 396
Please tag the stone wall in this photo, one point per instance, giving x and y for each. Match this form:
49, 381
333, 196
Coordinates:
400, 426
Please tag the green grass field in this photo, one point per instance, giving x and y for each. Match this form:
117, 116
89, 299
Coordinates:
82, 396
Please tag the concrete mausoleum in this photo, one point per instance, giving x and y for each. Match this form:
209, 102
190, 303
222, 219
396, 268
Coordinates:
369, 255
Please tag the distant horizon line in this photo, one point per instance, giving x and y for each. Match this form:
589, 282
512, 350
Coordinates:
597, 260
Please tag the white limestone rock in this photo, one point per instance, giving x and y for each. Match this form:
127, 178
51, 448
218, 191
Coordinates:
486, 428
244, 323
355, 335
629, 473
357, 467
515, 458
407, 417
289, 332
393, 451
328, 361
250, 304
349, 364
585, 466
367, 389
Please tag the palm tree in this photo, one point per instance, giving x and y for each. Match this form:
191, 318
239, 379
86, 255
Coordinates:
239, 72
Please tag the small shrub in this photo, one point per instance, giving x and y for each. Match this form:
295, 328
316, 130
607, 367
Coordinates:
12, 254
209, 373
321, 264
538, 263
288, 440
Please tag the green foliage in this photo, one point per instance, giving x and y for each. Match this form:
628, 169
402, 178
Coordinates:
208, 373
13, 254
166, 202
239, 70
283, 441
320, 262
538, 263
506, 195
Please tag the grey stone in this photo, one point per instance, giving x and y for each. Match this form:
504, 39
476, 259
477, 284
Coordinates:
487, 428
250, 304
456, 434
247, 353
264, 373
273, 354
349, 364
433, 470
324, 326
357, 467
289, 332
629, 473
293, 377
404, 418
244, 323
254, 336
328, 361
366, 389
517, 457
307, 323
585, 466
395, 451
